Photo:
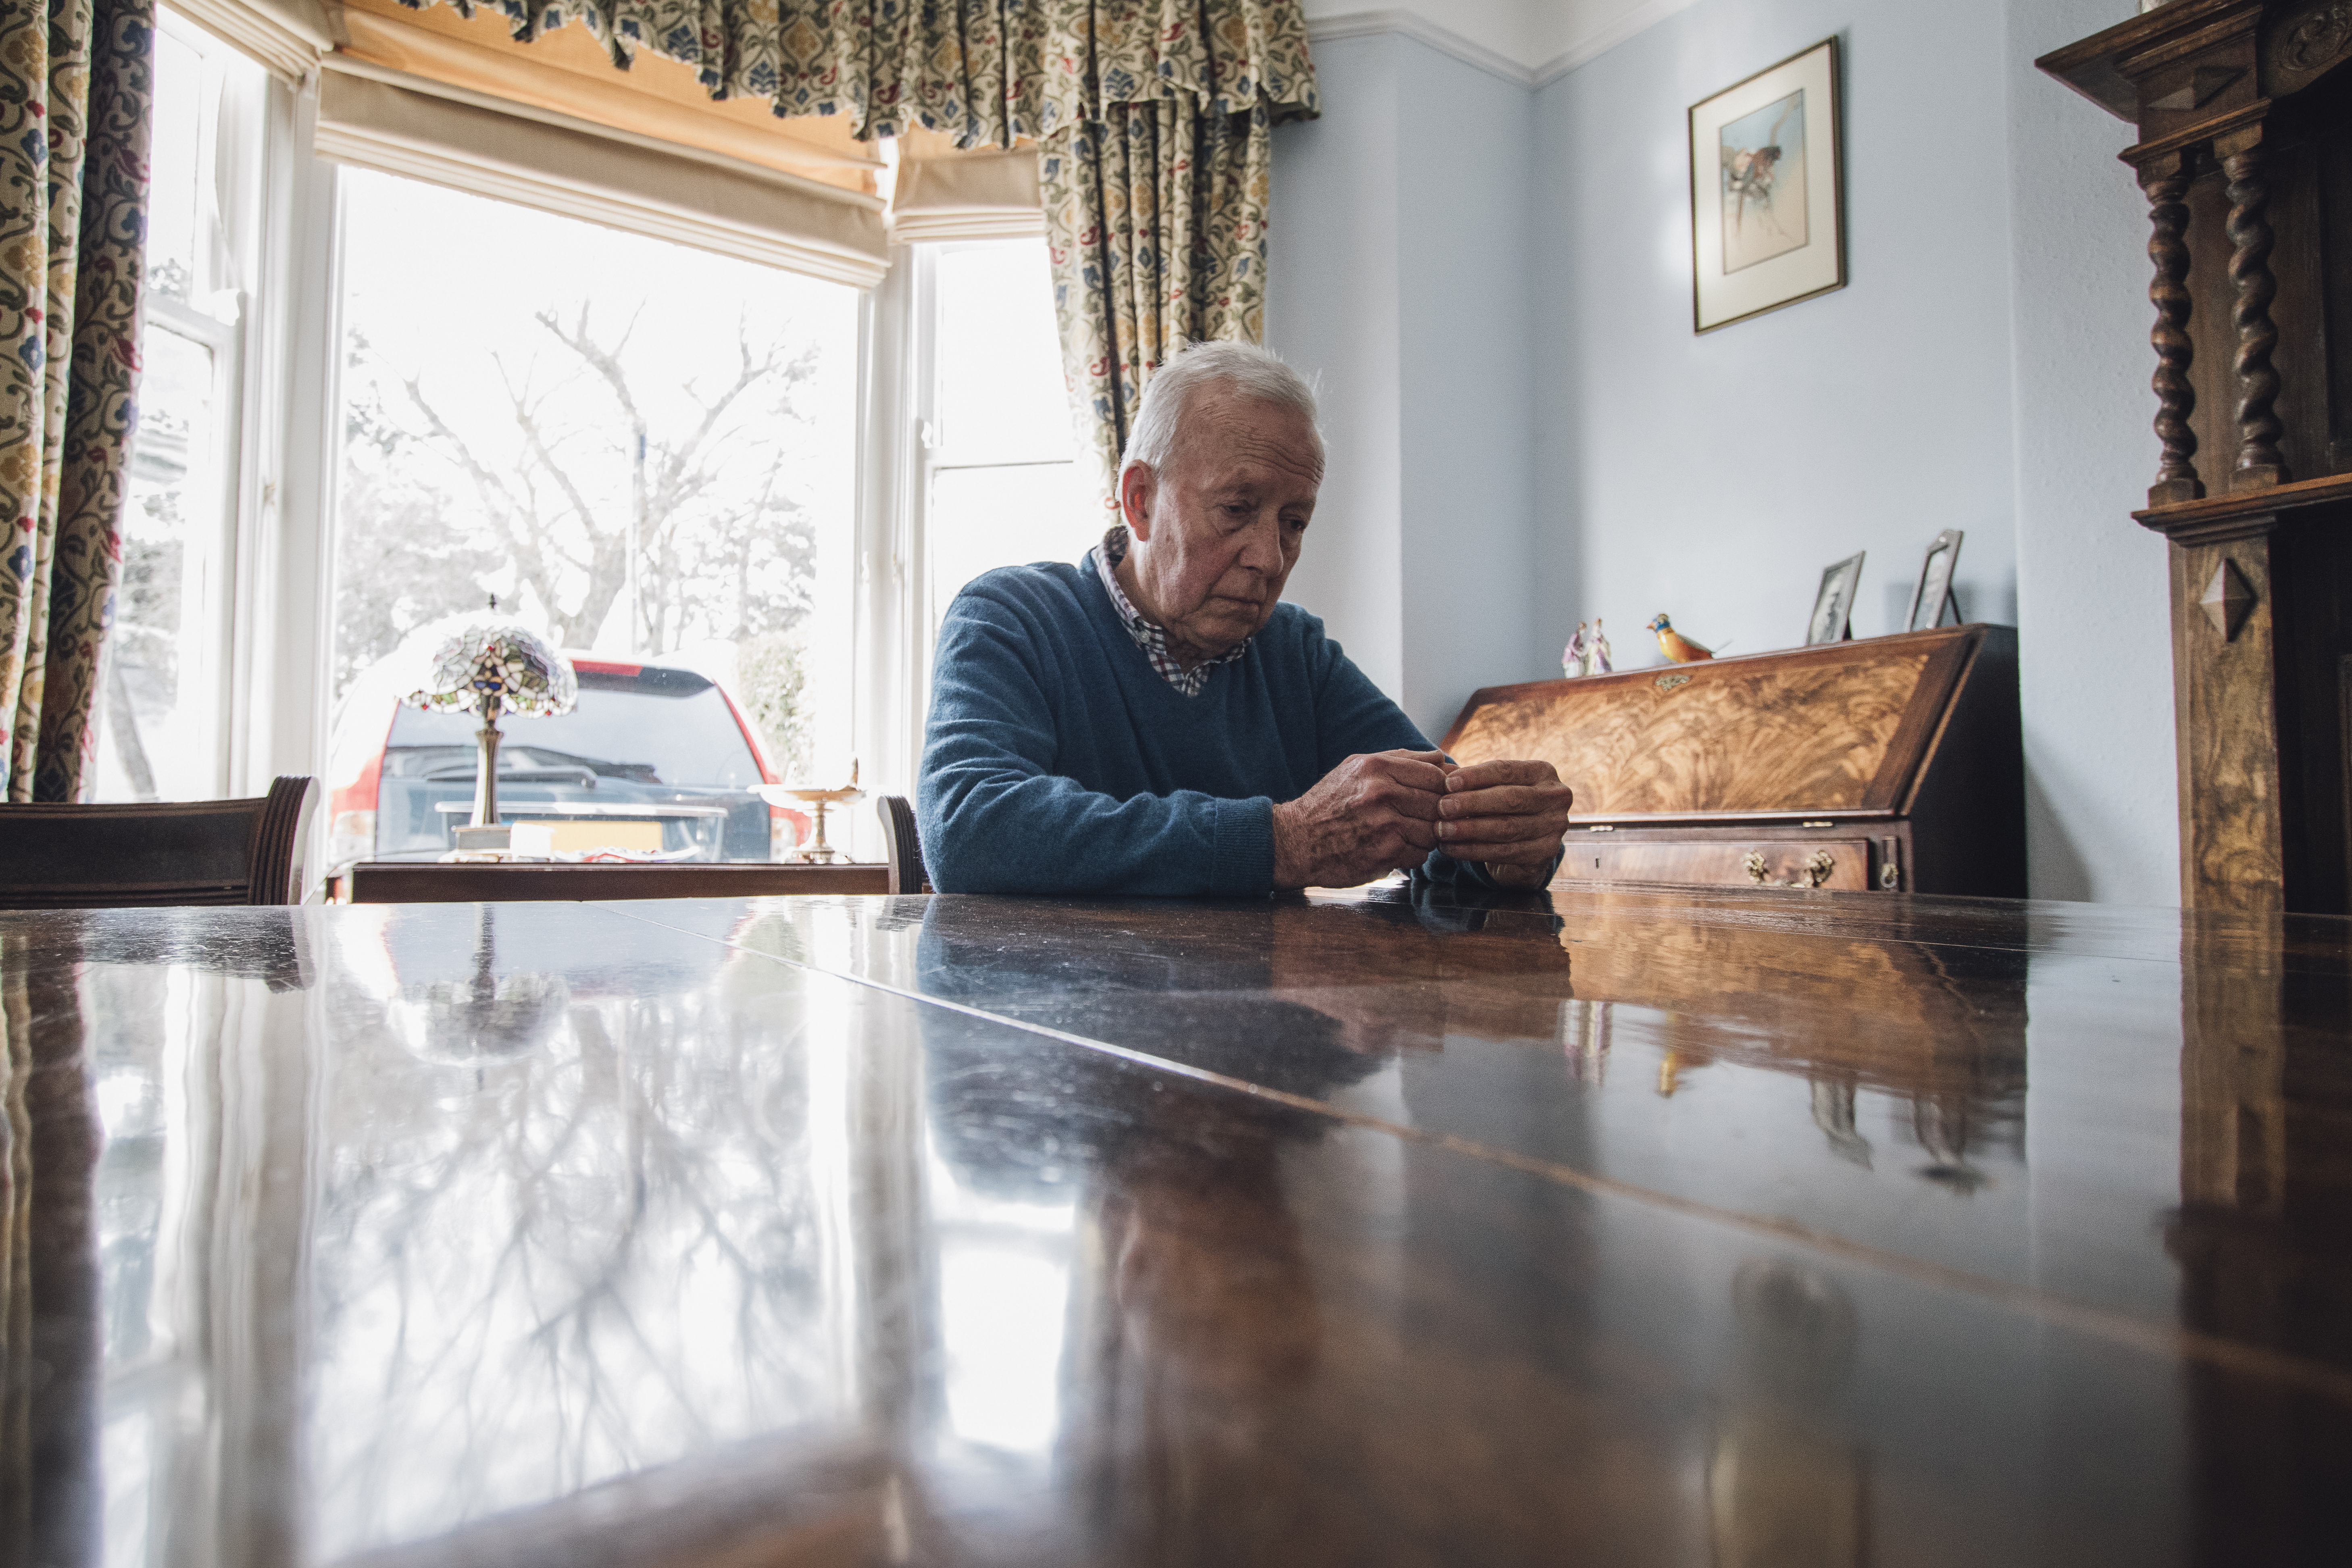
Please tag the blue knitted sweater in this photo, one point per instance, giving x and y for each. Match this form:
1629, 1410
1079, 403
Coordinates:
1058, 760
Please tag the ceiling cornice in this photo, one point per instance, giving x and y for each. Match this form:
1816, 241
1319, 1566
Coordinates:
1602, 39
1446, 41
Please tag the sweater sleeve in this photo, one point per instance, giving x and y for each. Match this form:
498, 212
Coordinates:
1354, 716
997, 818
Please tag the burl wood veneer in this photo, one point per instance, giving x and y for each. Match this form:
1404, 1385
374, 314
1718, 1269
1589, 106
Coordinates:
1892, 763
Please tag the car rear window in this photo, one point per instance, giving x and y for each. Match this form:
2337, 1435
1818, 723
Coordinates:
666, 726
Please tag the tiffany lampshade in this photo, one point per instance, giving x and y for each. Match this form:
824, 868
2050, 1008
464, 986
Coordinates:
488, 665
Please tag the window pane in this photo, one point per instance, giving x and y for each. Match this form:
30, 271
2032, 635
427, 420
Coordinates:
646, 449
1000, 395
154, 736
985, 518
175, 202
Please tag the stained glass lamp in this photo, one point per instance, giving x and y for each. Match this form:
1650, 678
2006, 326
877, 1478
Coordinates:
489, 665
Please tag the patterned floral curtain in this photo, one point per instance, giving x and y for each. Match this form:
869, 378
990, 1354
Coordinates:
1155, 217
77, 81
1154, 119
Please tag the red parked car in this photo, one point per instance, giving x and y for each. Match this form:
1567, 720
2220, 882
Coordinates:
657, 746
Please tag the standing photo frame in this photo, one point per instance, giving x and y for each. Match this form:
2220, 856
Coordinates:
1833, 601
1768, 213
1934, 589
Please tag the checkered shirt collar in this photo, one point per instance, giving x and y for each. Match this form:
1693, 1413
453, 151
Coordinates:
1150, 638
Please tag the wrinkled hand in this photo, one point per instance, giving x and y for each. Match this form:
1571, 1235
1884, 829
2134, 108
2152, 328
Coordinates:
1369, 816
1510, 815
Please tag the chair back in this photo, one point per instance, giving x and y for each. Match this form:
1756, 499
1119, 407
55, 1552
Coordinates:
56, 857
906, 873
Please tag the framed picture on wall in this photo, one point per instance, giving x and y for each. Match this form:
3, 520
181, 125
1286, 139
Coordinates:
1768, 221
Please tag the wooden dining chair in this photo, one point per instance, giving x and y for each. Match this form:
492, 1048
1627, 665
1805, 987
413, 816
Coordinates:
158, 852
905, 846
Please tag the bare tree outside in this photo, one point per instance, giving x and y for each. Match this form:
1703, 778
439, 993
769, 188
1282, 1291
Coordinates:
638, 447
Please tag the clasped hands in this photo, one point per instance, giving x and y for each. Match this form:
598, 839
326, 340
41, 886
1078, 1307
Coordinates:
1386, 811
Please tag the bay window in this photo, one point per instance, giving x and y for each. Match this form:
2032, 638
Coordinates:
661, 443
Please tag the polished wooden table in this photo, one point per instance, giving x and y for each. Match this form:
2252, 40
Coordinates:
1732, 1229
530, 881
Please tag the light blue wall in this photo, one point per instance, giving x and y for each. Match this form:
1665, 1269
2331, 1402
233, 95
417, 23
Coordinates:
1399, 276
1469, 368
1526, 432
1715, 476
1331, 311
2100, 778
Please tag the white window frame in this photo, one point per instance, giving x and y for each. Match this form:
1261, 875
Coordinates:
287, 503
924, 455
890, 659
210, 603
260, 679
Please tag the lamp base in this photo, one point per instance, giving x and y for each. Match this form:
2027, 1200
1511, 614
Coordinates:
497, 836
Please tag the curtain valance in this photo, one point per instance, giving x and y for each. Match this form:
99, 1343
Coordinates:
985, 72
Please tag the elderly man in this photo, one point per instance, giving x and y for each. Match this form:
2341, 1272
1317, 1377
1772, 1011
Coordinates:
1154, 719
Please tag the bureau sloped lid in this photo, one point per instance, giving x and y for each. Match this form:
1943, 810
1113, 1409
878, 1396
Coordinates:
1838, 728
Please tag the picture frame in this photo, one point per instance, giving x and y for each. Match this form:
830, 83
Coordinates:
1768, 207
1833, 601
1934, 588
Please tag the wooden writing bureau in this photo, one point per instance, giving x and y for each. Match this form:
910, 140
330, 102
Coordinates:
1892, 763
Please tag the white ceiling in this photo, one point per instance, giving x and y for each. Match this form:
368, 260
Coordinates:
1542, 38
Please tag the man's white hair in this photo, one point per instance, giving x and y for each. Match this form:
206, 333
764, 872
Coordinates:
1249, 370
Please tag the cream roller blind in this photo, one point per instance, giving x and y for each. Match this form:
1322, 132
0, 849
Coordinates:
942, 193
286, 36
381, 119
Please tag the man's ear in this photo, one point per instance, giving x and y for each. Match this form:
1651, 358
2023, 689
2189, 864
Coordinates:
1139, 487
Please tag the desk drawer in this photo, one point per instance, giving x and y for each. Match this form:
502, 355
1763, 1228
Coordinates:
1721, 862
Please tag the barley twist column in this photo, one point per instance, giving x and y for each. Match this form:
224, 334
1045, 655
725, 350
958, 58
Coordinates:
2259, 462
2166, 181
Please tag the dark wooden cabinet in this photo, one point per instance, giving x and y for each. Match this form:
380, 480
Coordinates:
2243, 114
1891, 764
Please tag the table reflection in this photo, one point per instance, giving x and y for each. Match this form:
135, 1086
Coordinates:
2264, 1232
563, 1233
1785, 1481
1171, 1288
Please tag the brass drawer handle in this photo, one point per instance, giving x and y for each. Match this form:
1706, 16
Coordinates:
1817, 866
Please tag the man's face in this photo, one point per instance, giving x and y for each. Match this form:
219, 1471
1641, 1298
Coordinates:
1217, 532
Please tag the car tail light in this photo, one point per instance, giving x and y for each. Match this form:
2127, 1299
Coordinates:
350, 835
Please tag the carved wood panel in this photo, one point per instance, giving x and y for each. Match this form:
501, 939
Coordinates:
2231, 851
2303, 42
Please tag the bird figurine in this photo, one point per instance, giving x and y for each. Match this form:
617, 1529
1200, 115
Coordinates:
1596, 652
1573, 657
1676, 646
